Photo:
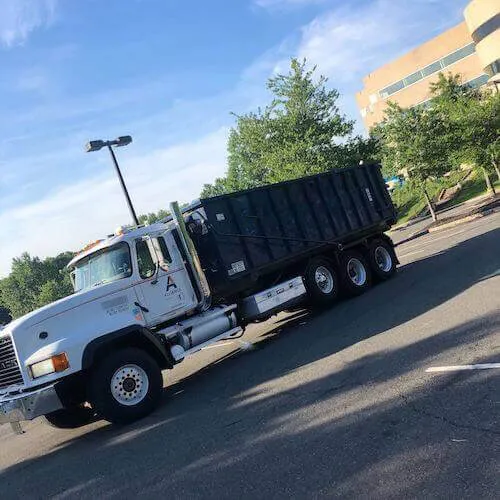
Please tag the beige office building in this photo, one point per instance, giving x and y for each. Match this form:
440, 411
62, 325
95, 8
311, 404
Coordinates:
471, 49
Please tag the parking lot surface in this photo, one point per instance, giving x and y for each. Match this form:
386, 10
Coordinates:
336, 403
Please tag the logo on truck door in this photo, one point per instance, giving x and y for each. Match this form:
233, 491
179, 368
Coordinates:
173, 293
170, 283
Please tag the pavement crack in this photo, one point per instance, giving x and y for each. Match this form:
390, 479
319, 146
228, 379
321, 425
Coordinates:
230, 424
446, 420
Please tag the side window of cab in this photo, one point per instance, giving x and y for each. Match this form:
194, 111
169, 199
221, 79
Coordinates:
146, 264
161, 249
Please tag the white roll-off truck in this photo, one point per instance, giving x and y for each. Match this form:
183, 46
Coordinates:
147, 297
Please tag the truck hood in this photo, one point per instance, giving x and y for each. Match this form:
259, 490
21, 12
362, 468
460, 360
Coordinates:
63, 305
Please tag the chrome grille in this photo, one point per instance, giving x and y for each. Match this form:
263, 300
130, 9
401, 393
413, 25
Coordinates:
10, 374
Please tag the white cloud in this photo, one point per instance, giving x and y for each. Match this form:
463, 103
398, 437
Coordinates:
348, 42
76, 214
18, 18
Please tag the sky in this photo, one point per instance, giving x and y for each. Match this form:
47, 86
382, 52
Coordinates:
169, 73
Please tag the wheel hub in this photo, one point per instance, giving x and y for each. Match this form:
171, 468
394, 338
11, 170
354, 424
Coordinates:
383, 259
324, 279
129, 385
356, 272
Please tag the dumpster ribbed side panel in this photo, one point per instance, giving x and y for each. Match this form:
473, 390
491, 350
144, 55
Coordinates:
252, 231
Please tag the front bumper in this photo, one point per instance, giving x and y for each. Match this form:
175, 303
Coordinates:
29, 405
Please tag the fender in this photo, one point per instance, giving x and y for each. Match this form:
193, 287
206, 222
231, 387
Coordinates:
130, 335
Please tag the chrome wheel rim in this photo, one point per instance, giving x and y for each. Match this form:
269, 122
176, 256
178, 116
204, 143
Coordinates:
324, 279
383, 259
356, 271
129, 385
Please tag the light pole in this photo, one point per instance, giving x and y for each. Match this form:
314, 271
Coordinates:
121, 141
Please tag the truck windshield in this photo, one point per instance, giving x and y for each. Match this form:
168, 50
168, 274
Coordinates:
102, 267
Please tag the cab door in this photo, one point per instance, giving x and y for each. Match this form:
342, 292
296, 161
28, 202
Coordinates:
164, 288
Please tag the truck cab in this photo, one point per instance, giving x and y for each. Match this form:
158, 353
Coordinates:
147, 262
138, 307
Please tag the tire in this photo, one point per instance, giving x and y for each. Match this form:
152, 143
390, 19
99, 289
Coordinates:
382, 259
321, 281
70, 418
125, 386
355, 273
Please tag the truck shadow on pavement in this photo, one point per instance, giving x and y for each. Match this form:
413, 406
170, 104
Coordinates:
273, 422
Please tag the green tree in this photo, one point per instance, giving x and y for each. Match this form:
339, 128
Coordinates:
153, 217
5, 316
302, 132
493, 151
473, 119
415, 139
33, 282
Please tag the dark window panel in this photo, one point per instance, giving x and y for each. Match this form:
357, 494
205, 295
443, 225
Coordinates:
432, 68
414, 77
458, 54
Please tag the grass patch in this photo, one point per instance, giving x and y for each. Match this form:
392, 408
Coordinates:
410, 202
475, 186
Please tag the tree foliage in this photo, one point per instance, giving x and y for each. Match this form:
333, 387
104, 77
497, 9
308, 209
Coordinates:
301, 132
33, 283
5, 316
458, 125
153, 217
473, 119
415, 139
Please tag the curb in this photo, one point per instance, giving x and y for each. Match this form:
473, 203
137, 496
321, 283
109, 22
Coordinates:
449, 225
416, 220
469, 218
463, 220
412, 237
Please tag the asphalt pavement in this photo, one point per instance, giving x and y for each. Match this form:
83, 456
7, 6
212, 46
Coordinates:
332, 404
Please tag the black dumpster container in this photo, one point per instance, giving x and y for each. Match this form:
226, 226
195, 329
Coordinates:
250, 233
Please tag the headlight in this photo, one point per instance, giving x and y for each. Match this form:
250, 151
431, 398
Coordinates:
57, 363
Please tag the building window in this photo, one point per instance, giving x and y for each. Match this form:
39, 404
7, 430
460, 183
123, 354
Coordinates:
428, 70
363, 112
457, 55
391, 89
477, 82
423, 104
413, 78
486, 29
493, 68
432, 68
373, 98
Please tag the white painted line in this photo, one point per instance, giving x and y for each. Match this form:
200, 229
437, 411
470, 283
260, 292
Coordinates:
457, 368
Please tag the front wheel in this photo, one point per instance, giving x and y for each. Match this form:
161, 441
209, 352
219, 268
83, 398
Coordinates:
126, 386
